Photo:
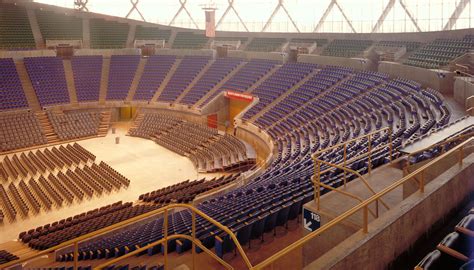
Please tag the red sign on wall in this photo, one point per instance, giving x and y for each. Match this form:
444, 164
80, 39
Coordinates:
239, 96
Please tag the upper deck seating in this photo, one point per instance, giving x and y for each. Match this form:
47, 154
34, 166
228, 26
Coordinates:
122, 72
346, 47
12, 95
156, 69
108, 34
48, 79
58, 26
15, 29
87, 71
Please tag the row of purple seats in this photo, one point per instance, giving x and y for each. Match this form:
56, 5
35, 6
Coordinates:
218, 70
48, 79
87, 72
188, 69
278, 83
245, 77
121, 74
156, 69
12, 95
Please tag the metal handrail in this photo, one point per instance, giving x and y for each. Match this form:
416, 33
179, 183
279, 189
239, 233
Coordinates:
164, 210
364, 206
439, 144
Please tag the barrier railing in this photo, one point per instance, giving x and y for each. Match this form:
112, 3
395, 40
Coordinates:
459, 149
317, 166
442, 145
162, 211
470, 105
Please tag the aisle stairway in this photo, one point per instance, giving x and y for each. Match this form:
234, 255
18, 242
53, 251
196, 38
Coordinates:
46, 127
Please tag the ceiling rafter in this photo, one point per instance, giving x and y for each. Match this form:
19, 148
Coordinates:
456, 13
135, 7
229, 8
326, 13
183, 7
275, 11
382, 17
413, 20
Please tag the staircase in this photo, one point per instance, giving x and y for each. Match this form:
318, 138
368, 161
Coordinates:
166, 80
219, 85
30, 93
136, 123
46, 127
71, 87
39, 41
136, 79
264, 78
194, 81
86, 33
104, 80
286, 94
171, 39
105, 117
131, 35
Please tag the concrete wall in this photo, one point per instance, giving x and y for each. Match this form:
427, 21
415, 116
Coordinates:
355, 63
427, 77
257, 55
463, 88
107, 52
22, 54
260, 141
182, 52
398, 229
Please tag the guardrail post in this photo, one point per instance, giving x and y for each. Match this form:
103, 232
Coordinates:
390, 144
461, 155
422, 182
318, 187
370, 153
76, 255
165, 236
377, 208
366, 219
193, 232
345, 158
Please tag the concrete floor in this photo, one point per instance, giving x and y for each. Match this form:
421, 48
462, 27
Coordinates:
148, 166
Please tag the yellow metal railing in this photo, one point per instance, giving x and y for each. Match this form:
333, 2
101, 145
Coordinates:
162, 211
459, 149
317, 166
470, 105
442, 144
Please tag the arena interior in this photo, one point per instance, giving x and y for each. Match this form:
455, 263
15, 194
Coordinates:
146, 134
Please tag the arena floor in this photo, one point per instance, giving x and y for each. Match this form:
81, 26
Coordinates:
148, 166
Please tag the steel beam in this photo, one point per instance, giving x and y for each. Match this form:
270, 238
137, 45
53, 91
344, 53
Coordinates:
325, 14
456, 13
275, 11
183, 7
135, 7
382, 17
345, 17
81, 5
229, 8
402, 3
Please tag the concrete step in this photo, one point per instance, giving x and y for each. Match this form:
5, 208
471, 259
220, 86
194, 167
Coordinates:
166, 80
194, 81
261, 80
104, 81
219, 85
136, 79
30, 93
71, 87
286, 94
